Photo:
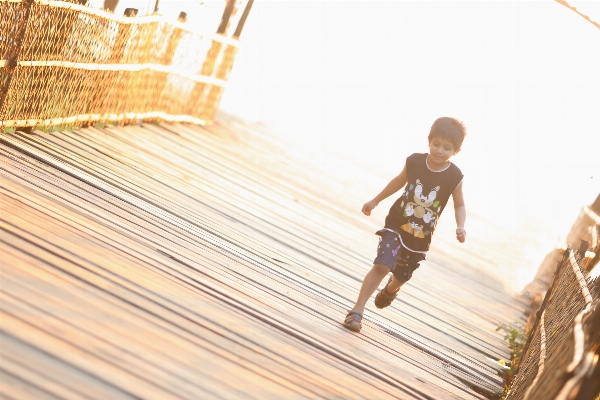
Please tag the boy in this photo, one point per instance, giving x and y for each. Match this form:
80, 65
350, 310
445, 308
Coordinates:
428, 181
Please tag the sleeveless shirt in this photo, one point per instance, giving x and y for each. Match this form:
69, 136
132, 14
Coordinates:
415, 214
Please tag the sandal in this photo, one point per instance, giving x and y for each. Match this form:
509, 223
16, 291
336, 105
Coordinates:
385, 298
353, 321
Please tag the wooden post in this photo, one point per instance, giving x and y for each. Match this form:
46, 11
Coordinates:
225, 18
238, 30
222, 72
110, 5
595, 207
130, 12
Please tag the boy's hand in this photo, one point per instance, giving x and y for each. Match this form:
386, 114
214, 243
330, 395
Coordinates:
461, 234
369, 206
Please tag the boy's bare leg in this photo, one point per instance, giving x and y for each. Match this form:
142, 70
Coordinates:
394, 285
369, 285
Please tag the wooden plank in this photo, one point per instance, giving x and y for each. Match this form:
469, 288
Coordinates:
20, 382
214, 244
112, 288
108, 314
421, 346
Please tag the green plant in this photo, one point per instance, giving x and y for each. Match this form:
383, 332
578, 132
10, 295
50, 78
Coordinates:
516, 337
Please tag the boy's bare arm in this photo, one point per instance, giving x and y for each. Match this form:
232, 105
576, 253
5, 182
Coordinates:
460, 213
395, 184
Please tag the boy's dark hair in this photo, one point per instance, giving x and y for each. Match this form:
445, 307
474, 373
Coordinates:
450, 129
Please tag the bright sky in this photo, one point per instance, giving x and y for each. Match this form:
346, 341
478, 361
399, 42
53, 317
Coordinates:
367, 78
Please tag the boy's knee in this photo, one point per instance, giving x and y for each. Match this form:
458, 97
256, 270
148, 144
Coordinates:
381, 269
403, 272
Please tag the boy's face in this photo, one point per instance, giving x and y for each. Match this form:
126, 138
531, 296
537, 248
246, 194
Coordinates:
441, 150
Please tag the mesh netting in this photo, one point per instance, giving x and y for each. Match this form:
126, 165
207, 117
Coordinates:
585, 231
544, 371
68, 64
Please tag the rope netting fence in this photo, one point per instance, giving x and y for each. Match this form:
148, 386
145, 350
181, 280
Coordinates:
66, 64
560, 359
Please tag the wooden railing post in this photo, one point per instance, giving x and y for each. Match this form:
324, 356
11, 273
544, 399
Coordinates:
225, 18
238, 30
111, 5
214, 94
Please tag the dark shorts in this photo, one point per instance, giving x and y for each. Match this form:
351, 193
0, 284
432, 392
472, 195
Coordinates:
401, 261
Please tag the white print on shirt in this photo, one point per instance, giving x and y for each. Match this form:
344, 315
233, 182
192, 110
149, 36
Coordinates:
420, 209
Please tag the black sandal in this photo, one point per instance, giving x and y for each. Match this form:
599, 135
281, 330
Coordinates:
353, 321
385, 298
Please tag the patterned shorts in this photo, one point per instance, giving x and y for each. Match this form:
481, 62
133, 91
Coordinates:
393, 254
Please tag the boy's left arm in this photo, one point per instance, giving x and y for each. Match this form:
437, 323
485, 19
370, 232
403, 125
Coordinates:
460, 212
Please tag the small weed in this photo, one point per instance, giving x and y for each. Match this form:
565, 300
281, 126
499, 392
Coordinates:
516, 337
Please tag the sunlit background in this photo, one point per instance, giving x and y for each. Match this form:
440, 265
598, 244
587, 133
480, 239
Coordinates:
364, 80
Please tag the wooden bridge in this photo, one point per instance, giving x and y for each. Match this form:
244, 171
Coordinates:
177, 261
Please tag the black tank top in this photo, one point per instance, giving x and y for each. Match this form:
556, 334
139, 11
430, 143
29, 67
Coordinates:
415, 214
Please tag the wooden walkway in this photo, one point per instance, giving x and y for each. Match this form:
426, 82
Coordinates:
176, 261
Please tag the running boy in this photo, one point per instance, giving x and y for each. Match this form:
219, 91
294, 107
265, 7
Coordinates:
428, 181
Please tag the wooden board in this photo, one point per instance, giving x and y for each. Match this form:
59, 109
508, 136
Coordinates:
178, 261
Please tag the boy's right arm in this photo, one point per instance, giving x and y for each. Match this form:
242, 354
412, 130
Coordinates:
395, 184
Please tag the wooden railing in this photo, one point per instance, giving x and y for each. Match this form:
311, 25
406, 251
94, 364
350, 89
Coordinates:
65, 64
560, 359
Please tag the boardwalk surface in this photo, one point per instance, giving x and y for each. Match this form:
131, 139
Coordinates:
177, 261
